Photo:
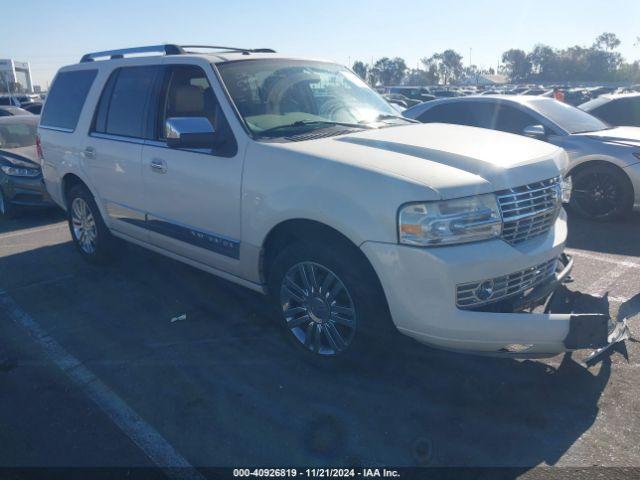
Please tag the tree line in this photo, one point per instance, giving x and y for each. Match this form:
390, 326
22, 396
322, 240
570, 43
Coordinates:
599, 62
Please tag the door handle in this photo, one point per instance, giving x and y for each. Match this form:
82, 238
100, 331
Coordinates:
158, 166
89, 152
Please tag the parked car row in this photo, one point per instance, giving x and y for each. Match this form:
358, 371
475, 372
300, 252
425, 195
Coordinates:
21, 183
29, 102
604, 161
293, 178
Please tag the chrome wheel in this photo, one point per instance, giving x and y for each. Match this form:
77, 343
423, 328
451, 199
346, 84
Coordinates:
318, 308
84, 225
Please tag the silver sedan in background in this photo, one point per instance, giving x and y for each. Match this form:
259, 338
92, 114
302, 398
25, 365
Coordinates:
604, 160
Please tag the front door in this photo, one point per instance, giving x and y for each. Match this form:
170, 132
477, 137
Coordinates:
192, 197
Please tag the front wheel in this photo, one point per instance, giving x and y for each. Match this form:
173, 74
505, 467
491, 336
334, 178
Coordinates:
328, 300
601, 193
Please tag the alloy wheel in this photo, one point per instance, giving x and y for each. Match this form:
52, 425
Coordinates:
84, 225
318, 308
598, 194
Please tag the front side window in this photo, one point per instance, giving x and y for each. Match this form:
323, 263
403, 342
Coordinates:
189, 94
66, 99
512, 120
276, 97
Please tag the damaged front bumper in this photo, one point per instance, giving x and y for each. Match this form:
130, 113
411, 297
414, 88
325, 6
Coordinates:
422, 289
586, 330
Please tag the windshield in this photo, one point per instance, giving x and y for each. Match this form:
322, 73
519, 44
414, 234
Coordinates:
16, 135
280, 96
569, 118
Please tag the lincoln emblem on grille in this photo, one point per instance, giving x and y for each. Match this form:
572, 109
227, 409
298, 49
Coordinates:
484, 290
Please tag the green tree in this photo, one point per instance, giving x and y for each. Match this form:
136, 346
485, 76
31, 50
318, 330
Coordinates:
417, 77
448, 64
360, 69
517, 65
607, 41
388, 71
543, 61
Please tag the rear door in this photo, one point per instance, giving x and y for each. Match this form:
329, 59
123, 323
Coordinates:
192, 196
112, 152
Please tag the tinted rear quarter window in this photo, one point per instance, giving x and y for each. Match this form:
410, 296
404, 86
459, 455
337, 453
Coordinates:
66, 99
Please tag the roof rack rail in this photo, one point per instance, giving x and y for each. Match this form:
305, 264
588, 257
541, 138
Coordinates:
230, 49
167, 49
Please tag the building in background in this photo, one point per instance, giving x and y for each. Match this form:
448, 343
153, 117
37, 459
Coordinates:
15, 77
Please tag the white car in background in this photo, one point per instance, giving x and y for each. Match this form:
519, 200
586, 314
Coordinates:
604, 161
293, 178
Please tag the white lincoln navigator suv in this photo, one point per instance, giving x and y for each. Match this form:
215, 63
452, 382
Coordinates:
293, 178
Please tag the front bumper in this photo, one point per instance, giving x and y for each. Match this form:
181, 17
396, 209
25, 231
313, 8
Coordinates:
420, 287
25, 191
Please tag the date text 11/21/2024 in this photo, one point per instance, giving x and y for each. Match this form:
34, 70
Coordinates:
316, 472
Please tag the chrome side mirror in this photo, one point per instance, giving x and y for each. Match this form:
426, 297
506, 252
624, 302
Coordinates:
535, 131
189, 132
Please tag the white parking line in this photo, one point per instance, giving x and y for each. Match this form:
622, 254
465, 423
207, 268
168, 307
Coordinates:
154, 445
602, 258
28, 231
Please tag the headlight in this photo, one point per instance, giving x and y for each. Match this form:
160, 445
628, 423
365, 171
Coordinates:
447, 222
20, 171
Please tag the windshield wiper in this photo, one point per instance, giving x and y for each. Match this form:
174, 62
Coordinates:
311, 123
389, 116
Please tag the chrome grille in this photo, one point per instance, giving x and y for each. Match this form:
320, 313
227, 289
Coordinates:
475, 294
529, 210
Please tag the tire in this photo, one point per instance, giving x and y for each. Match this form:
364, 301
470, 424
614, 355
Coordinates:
90, 235
341, 314
601, 193
7, 209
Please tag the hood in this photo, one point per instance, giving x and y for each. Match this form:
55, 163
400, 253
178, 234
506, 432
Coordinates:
21, 157
623, 136
453, 160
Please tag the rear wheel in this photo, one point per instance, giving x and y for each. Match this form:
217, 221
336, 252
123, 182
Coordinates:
601, 193
328, 300
89, 233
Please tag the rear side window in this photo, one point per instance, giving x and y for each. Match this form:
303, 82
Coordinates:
66, 99
124, 101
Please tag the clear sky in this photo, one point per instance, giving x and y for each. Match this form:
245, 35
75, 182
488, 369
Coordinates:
53, 33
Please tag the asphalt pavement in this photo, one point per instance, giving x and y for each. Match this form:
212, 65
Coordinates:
96, 373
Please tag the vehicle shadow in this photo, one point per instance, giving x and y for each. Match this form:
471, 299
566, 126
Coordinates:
630, 308
620, 238
226, 388
32, 218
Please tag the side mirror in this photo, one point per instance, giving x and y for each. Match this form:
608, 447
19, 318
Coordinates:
535, 131
189, 132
